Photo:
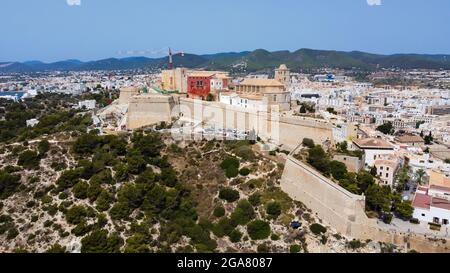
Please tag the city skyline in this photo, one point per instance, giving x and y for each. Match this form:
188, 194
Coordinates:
86, 30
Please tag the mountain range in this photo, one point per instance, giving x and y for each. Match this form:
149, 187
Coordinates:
256, 60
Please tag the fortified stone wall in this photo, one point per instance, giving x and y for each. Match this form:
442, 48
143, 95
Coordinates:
344, 211
353, 163
286, 131
148, 109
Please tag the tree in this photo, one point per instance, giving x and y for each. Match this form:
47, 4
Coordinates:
120, 211
8, 184
319, 159
258, 230
273, 209
29, 160
295, 248
219, 211
230, 162
56, 248
76, 214
43, 147
386, 128
244, 171
235, 236
243, 213
404, 210
308, 143
231, 172
338, 169
255, 199
364, 180
378, 198
104, 200
303, 109
210, 97
429, 139
80, 190
420, 173
229, 195
317, 229
342, 147
98, 241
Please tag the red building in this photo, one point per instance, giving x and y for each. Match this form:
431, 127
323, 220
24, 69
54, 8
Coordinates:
199, 86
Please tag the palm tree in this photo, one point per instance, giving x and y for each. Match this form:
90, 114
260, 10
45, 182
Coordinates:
420, 173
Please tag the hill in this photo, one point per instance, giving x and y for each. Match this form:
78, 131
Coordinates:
256, 60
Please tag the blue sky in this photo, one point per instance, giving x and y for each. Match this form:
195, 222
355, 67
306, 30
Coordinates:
51, 30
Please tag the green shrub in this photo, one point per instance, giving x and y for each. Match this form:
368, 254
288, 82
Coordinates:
219, 212
355, 244
29, 160
263, 248
258, 230
80, 190
273, 209
255, 199
308, 142
229, 195
231, 172
244, 171
99, 242
235, 236
317, 229
243, 213
230, 162
295, 248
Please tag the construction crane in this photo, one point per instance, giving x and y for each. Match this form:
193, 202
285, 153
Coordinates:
170, 66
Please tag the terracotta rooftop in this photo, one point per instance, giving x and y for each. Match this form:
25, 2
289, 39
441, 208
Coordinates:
422, 201
440, 188
367, 143
426, 201
261, 82
409, 139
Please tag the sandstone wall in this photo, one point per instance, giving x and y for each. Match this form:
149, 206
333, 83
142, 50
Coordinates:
344, 211
286, 131
148, 109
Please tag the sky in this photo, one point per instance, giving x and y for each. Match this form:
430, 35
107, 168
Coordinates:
54, 30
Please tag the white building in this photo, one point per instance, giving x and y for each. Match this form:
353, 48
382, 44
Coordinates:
432, 205
387, 169
87, 104
32, 122
374, 148
251, 102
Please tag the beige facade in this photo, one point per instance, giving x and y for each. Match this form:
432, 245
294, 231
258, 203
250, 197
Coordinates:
386, 171
344, 211
126, 93
174, 79
438, 178
283, 74
285, 131
353, 163
148, 109
273, 91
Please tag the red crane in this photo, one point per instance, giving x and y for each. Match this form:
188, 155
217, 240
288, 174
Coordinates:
170, 66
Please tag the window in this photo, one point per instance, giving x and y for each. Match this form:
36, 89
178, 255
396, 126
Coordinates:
423, 214
445, 221
387, 168
381, 168
387, 175
436, 220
